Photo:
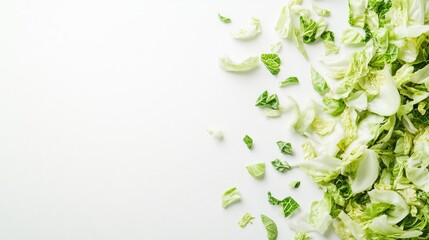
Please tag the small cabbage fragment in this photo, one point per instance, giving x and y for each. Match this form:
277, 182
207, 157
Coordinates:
319, 217
246, 219
248, 141
223, 18
382, 226
272, 62
257, 170
250, 32
230, 66
288, 204
276, 47
280, 166
348, 228
366, 173
301, 236
387, 102
322, 168
289, 81
284, 25
270, 227
352, 37
400, 208
230, 196
320, 11
357, 10
285, 147
218, 134
319, 83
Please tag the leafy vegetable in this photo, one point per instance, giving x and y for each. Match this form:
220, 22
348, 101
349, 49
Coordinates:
320, 218
318, 82
295, 184
275, 48
320, 11
309, 27
247, 218
230, 196
268, 101
215, 133
223, 18
250, 32
272, 62
288, 204
352, 37
230, 66
248, 141
289, 81
270, 227
256, 170
279, 165
285, 147
301, 236
368, 142
328, 38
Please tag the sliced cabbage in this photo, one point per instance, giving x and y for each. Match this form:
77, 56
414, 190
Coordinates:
250, 32
230, 66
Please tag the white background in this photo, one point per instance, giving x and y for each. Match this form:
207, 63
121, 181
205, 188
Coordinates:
104, 107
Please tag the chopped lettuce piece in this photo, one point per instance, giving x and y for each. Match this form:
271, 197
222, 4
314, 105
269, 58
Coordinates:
218, 134
230, 196
288, 204
309, 30
250, 32
276, 47
266, 100
270, 227
246, 219
319, 83
319, 217
295, 184
289, 81
352, 37
248, 141
223, 18
230, 66
320, 11
257, 170
285, 147
301, 236
272, 62
357, 10
279, 165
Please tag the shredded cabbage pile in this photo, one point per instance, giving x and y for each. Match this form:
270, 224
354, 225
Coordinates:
374, 171
373, 123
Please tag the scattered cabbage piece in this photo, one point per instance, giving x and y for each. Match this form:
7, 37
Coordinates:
257, 170
357, 10
215, 133
223, 18
320, 218
388, 100
276, 47
246, 219
301, 236
270, 227
352, 37
230, 66
250, 32
320, 11
230, 196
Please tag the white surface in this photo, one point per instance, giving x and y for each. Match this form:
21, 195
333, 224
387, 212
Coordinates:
104, 107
